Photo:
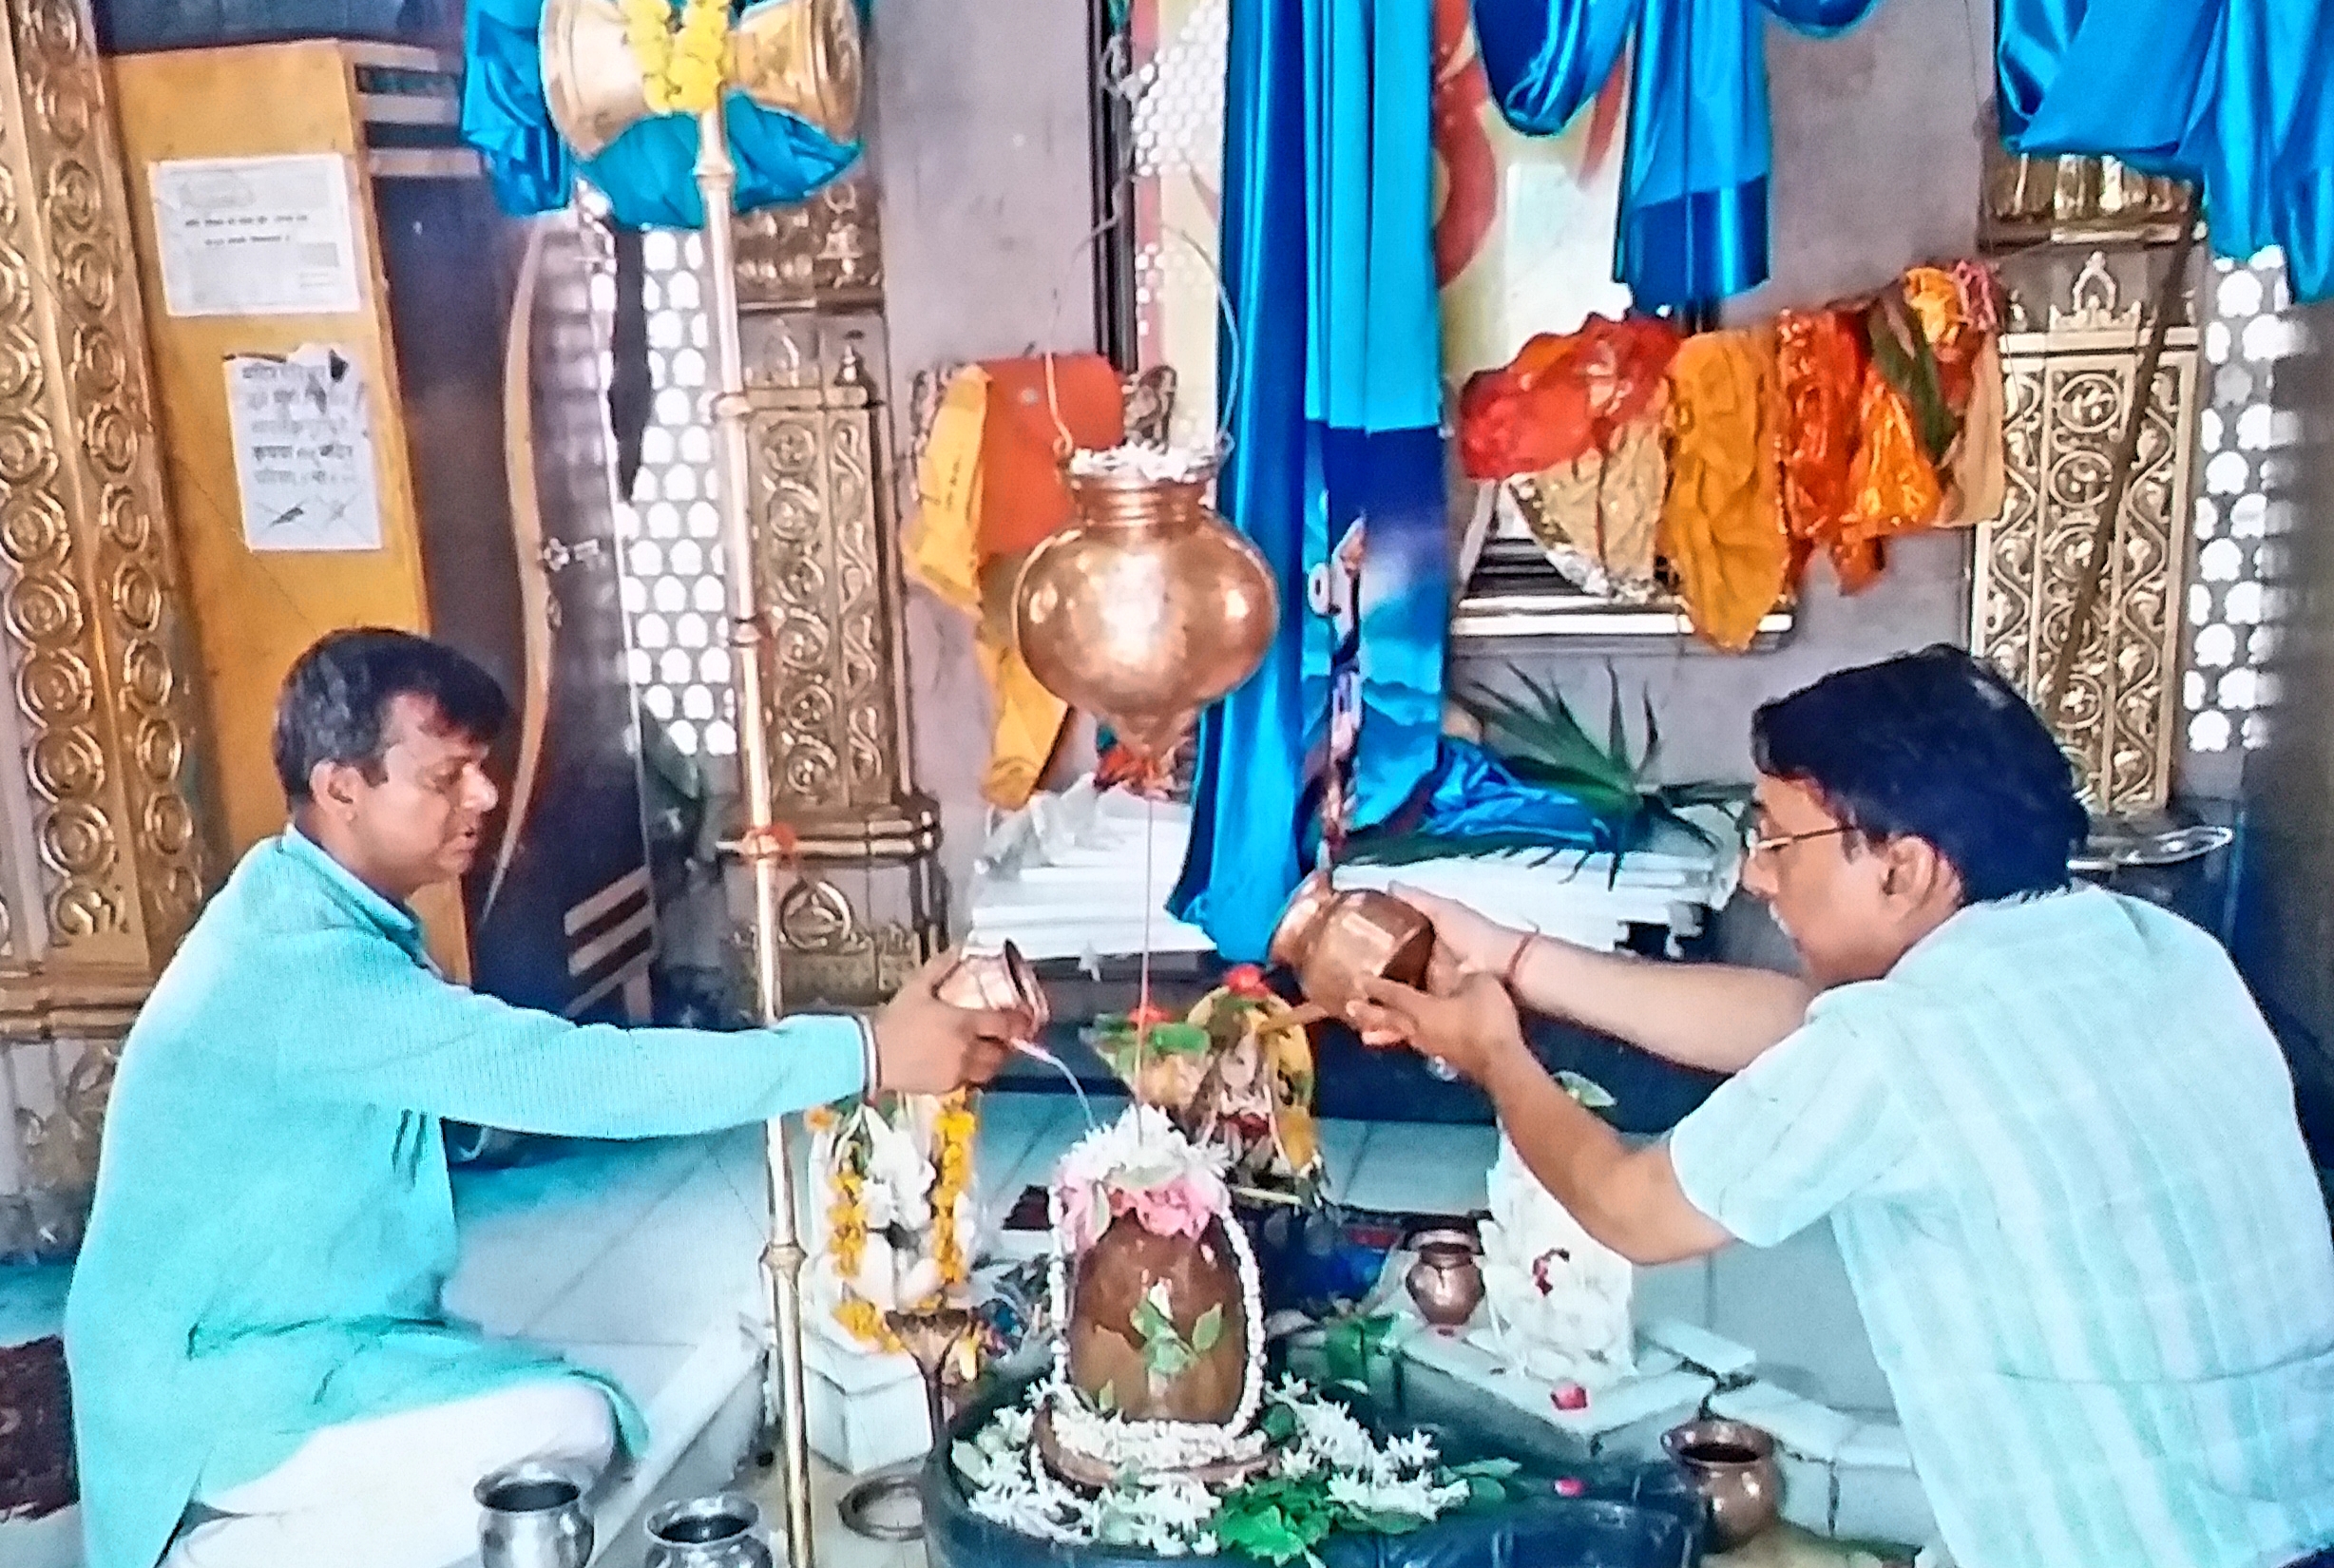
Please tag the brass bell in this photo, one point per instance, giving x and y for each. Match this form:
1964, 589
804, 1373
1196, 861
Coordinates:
800, 57
1146, 609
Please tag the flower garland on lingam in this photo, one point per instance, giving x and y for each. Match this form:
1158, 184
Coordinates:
1155, 1427
892, 1209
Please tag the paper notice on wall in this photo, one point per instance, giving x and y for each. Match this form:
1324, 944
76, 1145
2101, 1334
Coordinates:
255, 235
303, 451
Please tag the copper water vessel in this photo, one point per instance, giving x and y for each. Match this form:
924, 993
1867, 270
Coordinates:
1002, 979
1445, 1283
1146, 609
1332, 941
1732, 1465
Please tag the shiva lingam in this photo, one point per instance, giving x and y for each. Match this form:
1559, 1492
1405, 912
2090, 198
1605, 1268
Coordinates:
1149, 606
935, 1338
531, 1515
1334, 941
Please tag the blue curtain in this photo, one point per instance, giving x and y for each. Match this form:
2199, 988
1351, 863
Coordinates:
1693, 194
1333, 376
648, 173
2232, 94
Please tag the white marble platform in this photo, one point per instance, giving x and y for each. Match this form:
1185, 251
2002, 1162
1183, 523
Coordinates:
1078, 872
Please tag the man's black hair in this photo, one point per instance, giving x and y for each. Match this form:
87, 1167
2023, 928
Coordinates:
334, 703
1936, 746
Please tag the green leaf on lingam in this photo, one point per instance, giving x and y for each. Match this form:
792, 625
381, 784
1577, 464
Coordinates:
1149, 1322
1208, 1329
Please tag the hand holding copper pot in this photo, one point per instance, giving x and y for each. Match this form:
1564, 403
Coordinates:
953, 1023
1332, 940
1003, 980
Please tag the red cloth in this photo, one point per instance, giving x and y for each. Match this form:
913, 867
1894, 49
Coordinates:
1820, 357
1562, 396
1024, 454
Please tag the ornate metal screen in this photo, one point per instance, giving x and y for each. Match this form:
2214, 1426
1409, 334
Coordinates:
2069, 390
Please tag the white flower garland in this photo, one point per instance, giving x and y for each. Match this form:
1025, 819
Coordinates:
1007, 1483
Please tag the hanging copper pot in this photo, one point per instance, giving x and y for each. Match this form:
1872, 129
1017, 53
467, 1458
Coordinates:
1146, 609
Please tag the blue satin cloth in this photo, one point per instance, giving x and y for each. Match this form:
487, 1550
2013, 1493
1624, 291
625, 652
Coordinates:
1334, 377
2232, 94
1693, 224
648, 173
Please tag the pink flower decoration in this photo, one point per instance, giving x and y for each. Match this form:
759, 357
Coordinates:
1570, 1486
1178, 1209
1569, 1396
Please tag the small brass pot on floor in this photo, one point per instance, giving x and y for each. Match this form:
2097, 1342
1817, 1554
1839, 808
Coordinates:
1733, 1465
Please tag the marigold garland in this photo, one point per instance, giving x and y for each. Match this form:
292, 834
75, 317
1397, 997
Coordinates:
681, 66
954, 1125
952, 1133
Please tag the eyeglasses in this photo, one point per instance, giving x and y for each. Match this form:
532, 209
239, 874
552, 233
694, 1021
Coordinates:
1771, 844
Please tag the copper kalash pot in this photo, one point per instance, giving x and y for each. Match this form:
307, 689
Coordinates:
1333, 941
1147, 608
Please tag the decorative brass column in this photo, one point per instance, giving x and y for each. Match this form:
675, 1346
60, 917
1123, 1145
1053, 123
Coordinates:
866, 906
2069, 389
98, 857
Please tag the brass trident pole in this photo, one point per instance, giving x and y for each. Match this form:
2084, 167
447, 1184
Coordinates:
717, 181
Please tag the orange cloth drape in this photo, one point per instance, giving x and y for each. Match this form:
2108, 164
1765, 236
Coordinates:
1722, 532
992, 487
1821, 363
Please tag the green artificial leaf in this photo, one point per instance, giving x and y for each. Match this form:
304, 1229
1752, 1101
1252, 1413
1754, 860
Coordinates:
1167, 1358
1208, 1329
1586, 1091
1387, 1521
1149, 1322
1485, 1469
1482, 1492
1351, 1343
1179, 1038
1617, 733
1279, 1424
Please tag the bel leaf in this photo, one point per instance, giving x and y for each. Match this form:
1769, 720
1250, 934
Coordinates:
1208, 1329
1149, 1321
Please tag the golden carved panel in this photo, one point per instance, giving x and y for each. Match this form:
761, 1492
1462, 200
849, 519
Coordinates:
824, 251
2067, 394
833, 721
87, 607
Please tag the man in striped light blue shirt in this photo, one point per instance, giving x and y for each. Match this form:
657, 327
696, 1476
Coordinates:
2053, 1136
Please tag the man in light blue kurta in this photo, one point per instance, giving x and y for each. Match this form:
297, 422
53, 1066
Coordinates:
2054, 1138
272, 1222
